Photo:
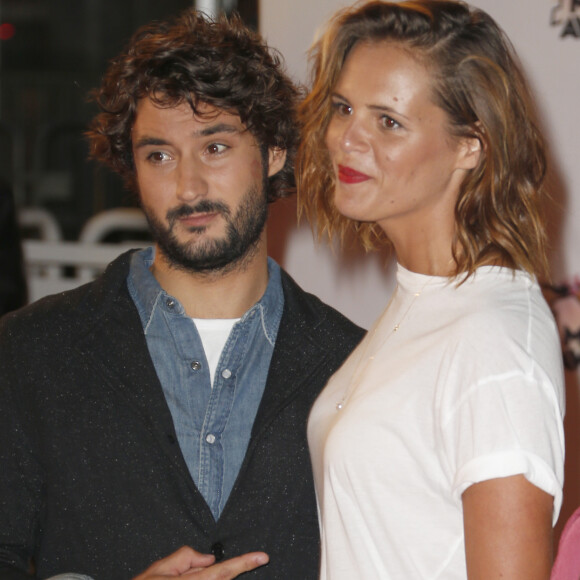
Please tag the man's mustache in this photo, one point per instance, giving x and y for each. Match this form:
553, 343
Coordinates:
204, 206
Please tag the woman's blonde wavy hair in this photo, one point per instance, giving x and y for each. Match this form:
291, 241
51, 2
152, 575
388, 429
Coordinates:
478, 82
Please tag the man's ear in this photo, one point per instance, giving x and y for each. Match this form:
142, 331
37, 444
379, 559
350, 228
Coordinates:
276, 160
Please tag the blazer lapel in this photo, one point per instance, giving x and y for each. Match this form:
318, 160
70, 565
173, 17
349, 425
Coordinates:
297, 354
117, 348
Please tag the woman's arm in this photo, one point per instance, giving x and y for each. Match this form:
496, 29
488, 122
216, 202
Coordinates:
508, 530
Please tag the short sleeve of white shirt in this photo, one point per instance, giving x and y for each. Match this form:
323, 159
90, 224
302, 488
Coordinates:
516, 406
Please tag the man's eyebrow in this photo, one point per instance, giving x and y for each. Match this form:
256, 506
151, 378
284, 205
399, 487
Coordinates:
148, 141
218, 128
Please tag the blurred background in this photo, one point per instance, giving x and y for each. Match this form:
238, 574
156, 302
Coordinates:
52, 52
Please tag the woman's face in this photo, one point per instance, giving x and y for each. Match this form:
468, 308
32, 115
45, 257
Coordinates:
395, 162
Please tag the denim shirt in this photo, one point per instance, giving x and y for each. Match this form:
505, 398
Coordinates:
213, 425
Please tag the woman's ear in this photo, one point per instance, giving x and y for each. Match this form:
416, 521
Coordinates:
470, 152
276, 160
472, 147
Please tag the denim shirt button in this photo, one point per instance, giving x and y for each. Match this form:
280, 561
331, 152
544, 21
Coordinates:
226, 374
170, 303
195, 365
210, 439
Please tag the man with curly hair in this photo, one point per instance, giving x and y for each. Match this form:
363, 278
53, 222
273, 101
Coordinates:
158, 414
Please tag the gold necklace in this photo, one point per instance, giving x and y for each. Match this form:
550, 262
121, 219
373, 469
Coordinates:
364, 360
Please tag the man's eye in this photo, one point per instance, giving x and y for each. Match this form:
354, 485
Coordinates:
157, 157
216, 148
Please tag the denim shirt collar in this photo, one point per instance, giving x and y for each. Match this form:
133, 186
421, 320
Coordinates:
147, 294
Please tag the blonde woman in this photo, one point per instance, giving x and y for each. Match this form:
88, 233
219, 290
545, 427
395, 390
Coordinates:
438, 446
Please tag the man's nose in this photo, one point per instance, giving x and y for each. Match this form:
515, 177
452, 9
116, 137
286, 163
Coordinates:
191, 181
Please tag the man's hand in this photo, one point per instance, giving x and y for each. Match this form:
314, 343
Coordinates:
188, 563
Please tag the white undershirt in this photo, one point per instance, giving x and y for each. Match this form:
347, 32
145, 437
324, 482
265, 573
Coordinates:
214, 333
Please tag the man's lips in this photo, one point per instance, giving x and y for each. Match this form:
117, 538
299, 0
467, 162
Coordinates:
197, 219
349, 175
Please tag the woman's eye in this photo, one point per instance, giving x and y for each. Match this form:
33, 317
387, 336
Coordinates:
341, 109
389, 123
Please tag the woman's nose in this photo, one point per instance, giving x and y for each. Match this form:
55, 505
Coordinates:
350, 135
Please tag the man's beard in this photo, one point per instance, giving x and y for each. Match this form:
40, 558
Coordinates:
240, 243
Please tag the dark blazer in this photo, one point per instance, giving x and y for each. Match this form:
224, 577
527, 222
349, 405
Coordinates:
92, 479
13, 290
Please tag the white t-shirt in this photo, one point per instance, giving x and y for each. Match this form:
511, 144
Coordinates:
469, 388
214, 333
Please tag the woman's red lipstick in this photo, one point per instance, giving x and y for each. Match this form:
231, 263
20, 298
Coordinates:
349, 175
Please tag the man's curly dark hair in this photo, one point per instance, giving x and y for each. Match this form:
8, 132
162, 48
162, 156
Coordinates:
198, 60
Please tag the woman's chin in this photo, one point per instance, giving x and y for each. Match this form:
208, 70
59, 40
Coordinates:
350, 209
